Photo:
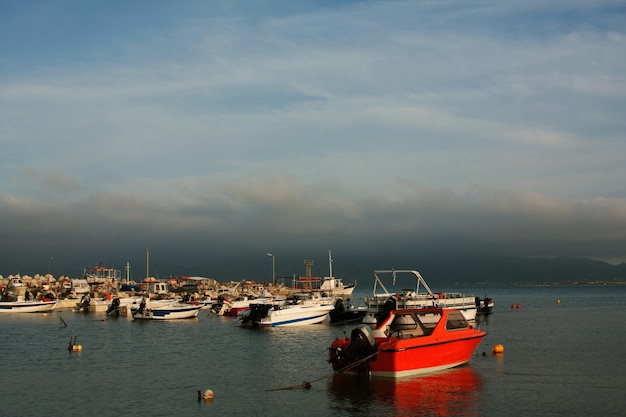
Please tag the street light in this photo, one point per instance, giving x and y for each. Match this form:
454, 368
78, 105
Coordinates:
273, 267
147, 263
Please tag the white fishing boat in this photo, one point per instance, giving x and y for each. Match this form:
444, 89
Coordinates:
163, 310
22, 306
384, 300
330, 285
335, 286
273, 315
92, 305
18, 299
225, 306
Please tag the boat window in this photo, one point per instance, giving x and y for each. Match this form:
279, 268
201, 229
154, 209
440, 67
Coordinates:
456, 320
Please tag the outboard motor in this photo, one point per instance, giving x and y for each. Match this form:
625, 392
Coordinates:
84, 302
257, 312
114, 307
362, 344
389, 306
336, 314
141, 308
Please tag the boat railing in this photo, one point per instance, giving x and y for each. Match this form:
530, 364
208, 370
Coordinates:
394, 273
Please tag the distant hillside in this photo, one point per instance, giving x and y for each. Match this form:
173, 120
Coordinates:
531, 270
437, 270
443, 270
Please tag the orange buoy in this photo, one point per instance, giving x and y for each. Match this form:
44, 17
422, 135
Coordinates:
497, 349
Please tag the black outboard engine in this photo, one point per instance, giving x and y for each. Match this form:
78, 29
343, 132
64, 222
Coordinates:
389, 306
141, 308
362, 345
84, 302
114, 307
336, 314
257, 312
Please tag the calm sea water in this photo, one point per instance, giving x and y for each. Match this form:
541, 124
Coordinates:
560, 359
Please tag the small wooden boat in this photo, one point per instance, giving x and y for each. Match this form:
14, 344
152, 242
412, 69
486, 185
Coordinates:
407, 342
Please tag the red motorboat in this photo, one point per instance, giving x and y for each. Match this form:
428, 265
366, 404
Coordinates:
407, 342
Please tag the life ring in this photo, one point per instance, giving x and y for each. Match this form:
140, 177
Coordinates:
441, 295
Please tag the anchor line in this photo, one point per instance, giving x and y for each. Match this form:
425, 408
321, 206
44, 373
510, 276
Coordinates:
307, 384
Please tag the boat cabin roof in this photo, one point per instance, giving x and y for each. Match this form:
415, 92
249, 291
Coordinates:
420, 322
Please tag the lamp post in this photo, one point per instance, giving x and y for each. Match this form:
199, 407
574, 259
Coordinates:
147, 263
273, 267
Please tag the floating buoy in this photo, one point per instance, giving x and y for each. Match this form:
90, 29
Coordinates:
558, 301
512, 305
519, 306
208, 395
73, 346
497, 349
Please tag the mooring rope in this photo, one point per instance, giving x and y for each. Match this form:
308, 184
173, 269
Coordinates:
307, 384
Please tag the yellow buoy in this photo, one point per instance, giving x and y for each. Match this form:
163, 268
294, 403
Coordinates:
498, 349
208, 395
558, 301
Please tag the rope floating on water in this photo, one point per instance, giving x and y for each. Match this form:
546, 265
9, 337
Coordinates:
307, 384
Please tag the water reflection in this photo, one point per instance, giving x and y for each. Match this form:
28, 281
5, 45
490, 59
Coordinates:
456, 392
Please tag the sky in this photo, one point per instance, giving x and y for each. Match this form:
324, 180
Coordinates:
212, 133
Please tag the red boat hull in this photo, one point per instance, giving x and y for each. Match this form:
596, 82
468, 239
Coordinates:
407, 343
404, 358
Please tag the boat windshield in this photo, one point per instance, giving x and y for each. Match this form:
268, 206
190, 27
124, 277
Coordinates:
456, 321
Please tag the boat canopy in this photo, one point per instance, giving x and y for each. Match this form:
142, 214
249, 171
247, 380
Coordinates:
394, 272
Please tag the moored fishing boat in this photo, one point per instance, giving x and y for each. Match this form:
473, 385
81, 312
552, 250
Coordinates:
331, 286
484, 306
22, 306
226, 306
346, 312
407, 342
335, 286
384, 300
165, 310
17, 298
274, 315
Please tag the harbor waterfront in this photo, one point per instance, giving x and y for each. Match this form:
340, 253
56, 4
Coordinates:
563, 355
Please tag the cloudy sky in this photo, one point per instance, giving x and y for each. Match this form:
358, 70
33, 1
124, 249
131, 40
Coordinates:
215, 132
